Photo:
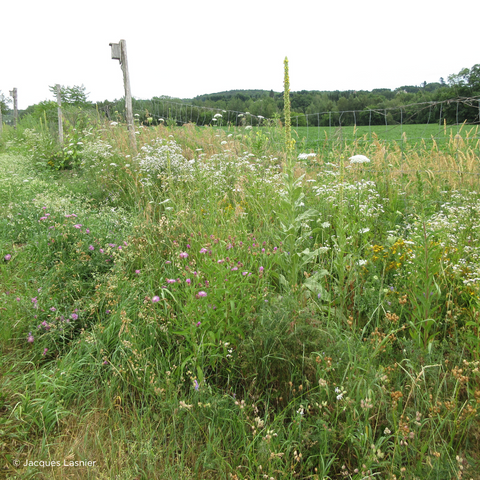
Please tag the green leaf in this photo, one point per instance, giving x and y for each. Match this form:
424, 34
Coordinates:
199, 374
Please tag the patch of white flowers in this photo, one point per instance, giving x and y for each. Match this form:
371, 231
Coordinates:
164, 157
96, 152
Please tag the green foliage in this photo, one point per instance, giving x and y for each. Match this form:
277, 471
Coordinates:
254, 321
4, 103
74, 96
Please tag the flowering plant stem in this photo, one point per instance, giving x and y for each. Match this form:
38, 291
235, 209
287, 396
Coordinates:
291, 213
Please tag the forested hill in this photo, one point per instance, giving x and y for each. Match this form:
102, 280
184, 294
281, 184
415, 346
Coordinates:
244, 94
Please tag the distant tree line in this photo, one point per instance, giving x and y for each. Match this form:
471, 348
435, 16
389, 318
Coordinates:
430, 102
361, 107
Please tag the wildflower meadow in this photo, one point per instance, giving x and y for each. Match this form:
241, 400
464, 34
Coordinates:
222, 304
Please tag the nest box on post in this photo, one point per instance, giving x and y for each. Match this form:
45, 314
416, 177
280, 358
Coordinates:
116, 51
119, 52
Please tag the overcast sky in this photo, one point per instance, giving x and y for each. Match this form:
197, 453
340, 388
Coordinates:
186, 48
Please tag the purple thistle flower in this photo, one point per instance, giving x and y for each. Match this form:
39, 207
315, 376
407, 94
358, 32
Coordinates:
137, 272
171, 280
155, 299
198, 324
195, 384
7, 257
261, 269
74, 316
53, 309
183, 255
188, 281
203, 250
30, 338
91, 248
78, 225
87, 230
45, 351
201, 293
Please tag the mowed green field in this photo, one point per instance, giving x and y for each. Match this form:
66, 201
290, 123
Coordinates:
319, 137
325, 138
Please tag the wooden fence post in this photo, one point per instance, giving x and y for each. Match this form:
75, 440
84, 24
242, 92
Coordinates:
119, 52
60, 116
13, 93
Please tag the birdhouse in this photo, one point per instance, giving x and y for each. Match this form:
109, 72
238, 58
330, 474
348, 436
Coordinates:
116, 51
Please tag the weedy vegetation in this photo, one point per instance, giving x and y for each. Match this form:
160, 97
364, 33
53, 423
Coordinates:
229, 304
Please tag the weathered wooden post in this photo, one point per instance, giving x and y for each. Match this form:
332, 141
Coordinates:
119, 52
13, 93
60, 116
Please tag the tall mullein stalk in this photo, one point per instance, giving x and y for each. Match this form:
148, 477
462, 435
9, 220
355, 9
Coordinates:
289, 213
289, 142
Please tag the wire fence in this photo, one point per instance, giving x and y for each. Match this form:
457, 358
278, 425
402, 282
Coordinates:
428, 121
444, 126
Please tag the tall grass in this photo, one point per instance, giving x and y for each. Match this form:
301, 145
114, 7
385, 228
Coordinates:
163, 316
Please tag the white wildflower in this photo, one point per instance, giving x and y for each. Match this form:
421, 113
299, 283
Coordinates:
306, 156
359, 159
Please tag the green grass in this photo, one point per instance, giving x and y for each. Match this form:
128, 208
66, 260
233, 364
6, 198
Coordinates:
402, 134
330, 140
261, 319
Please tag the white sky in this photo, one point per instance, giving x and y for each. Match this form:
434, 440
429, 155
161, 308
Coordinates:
184, 48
